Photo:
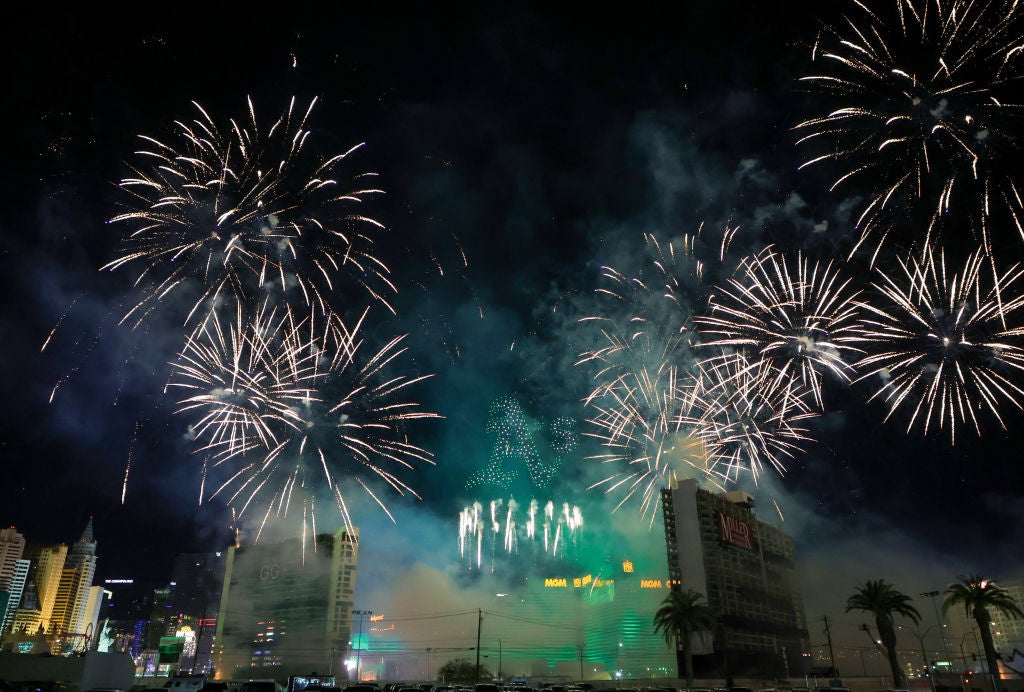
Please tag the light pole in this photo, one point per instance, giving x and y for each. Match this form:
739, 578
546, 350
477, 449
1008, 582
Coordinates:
938, 620
963, 666
359, 642
428, 663
924, 656
499, 661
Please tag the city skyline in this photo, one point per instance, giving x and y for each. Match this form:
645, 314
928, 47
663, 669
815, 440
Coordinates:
520, 152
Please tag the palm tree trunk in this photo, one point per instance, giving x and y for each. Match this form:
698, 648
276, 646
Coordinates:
888, 637
894, 665
981, 616
688, 659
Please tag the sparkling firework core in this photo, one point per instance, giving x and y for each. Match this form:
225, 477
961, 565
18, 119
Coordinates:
946, 344
803, 318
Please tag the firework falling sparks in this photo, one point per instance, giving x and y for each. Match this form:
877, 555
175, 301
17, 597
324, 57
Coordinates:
246, 210
947, 346
921, 108
753, 415
644, 402
802, 317
644, 419
290, 405
506, 528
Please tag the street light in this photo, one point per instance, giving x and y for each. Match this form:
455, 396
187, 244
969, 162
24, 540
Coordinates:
920, 640
938, 620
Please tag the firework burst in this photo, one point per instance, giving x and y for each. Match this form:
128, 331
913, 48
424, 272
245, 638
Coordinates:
644, 401
802, 317
753, 415
947, 344
921, 108
238, 212
290, 405
643, 415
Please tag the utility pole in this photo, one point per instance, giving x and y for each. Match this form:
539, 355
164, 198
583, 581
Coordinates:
359, 642
938, 621
831, 653
479, 626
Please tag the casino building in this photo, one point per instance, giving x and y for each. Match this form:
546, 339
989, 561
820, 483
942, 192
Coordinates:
746, 570
285, 608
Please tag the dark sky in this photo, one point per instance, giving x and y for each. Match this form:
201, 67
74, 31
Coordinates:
542, 142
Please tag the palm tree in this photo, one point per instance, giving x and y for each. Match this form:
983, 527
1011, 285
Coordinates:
680, 616
978, 597
884, 601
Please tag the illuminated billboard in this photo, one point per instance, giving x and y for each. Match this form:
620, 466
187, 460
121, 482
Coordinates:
735, 531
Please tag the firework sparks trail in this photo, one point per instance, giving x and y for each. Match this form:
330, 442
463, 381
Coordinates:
128, 465
921, 107
285, 402
507, 535
244, 212
802, 317
644, 401
948, 344
753, 415
644, 417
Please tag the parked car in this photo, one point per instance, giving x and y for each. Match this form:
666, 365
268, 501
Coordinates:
261, 686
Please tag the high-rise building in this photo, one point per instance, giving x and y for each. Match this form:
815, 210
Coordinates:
12, 545
1008, 633
44, 575
286, 608
746, 569
69, 606
96, 596
16, 589
196, 582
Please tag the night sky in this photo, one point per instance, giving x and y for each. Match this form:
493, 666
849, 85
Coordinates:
543, 144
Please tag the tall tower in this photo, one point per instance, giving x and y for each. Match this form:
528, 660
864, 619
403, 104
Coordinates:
747, 571
69, 608
44, 575
12, 545
286, 608
17, 588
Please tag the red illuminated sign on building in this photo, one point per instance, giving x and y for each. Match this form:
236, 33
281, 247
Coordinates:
735, 531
